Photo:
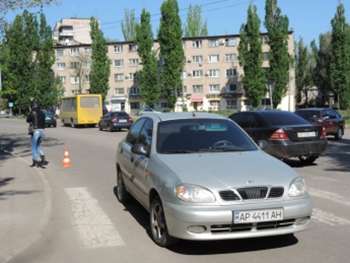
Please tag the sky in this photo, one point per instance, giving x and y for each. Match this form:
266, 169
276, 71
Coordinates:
308, 18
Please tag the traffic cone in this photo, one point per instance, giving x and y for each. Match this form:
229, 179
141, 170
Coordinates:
66, 160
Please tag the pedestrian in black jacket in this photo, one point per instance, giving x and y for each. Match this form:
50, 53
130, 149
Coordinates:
37, 118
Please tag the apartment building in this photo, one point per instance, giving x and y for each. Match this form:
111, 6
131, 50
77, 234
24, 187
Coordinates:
211, 74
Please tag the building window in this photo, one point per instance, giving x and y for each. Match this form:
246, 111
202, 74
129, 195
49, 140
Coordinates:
61, 66
265, 40
134, 91
213, 58
62, 79
231, 104
118, 77
118, 63
74, 79
87, 78
87, 64
197, 59
118, 49
231, 87
133, 48
60, 52
266, 56
213, 73
75, 91
183, 44
133, 62
197, 89
88, 51
197, 73
161, 61
184, 88
230, 42
196, 43
74, 64
213, 42
74, 51
132, 76
214, 88
230, 57
134, 105
215, 103
231, 72
183, 75
119, 91
164, 105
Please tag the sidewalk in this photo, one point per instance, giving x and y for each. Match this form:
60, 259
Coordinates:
25, 206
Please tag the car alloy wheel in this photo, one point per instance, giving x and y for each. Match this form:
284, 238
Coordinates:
158, 225
122, 195
339, 134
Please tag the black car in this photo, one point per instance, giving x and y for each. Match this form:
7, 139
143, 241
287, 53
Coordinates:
50, 119
115, 120
288, 135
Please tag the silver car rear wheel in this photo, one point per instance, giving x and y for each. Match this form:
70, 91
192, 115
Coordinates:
122, 195
158, 225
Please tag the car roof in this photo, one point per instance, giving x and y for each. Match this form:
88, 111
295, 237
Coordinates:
314, 109
183, 115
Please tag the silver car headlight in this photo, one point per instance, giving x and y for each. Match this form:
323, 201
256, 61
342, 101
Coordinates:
194, 193
297, 187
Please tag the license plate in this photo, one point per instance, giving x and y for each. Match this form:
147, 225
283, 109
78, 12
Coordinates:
306, 134
253, 216
122, 120
47, 119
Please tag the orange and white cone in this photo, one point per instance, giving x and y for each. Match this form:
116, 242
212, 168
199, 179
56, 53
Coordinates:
66, 160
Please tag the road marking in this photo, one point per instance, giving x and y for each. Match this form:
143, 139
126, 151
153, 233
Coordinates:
329, 196
94, 227
328, 218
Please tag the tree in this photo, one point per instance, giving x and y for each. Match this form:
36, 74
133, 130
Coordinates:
250, 58
304, 68
7, 5
194, 26
147, 77
100, 68
322, 56
129, 28
279, 57
170, 42
80, 68
340, 61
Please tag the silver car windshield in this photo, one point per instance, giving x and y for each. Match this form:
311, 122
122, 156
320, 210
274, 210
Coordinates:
201, 135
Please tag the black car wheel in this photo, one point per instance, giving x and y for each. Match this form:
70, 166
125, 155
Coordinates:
54, 125
308, 159
99, 127
339, 134
109, 128
158, 225
122, 195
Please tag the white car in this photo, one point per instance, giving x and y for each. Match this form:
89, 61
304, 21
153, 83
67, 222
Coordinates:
147, 112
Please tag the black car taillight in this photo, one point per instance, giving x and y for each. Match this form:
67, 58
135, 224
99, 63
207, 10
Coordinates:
114, 120
279, 135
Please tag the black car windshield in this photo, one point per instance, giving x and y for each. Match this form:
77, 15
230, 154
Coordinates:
201, 135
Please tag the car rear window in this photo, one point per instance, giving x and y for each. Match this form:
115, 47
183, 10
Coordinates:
308, 114
283, 118
121, 113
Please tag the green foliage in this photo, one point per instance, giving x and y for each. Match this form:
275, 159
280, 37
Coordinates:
279, 57
340, 61
148, 76
304, 66
170, 41
250, 58
194, 26
100, 68
129, 28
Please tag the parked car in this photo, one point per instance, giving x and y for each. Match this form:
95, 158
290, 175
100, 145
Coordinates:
193, 173
115, 120
287, 134
147, 111
50, 119
329, 118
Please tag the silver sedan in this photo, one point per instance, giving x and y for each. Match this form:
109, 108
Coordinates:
201, 177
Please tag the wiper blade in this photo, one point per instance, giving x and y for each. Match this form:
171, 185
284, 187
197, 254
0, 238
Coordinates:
179, 151
223, 149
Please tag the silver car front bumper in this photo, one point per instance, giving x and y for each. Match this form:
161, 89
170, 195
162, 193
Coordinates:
216, 222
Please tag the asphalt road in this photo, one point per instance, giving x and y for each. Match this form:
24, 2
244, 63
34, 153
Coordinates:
88, 224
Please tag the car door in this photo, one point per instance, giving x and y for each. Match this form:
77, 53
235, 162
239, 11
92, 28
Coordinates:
327, 122
335, 121
126, 157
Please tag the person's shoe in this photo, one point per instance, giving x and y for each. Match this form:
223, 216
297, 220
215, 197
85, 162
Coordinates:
34, 164
43, 160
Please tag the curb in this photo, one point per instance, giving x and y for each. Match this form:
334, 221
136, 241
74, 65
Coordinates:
25, 253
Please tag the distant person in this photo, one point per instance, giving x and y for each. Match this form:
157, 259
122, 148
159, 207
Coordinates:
37, 119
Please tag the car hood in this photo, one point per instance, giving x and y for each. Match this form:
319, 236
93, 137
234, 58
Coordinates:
221, 170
